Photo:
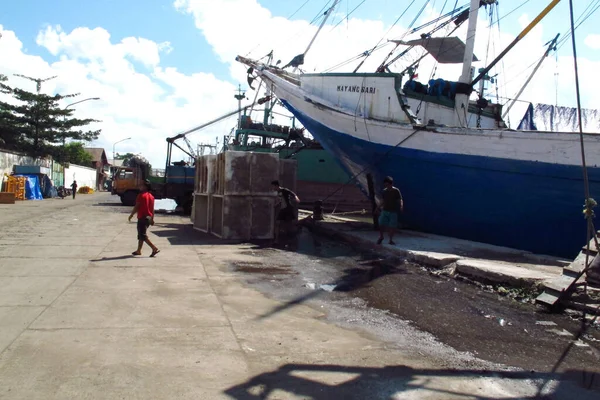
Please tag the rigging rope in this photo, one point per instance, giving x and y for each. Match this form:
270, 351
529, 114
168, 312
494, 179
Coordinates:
589, 205
502, 64
383, 64
383, 37
349, 14
320, 13
567, 34
564, 38
298, 10
316, 18
515, 9
435, 29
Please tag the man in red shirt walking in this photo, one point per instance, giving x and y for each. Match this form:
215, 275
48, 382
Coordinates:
144, 206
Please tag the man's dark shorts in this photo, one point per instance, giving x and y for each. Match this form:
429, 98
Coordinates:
286, 214
142, 228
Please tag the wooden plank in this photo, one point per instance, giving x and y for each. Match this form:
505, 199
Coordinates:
7, 198
547, 299
559, 284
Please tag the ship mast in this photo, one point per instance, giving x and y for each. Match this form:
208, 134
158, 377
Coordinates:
299, 59
239, 97
461, 103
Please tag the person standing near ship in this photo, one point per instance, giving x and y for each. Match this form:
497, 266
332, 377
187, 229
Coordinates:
391, 206
287, 208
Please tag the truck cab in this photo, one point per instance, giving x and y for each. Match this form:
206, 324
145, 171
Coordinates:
126, 182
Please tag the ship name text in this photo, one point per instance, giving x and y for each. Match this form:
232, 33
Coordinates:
356, 89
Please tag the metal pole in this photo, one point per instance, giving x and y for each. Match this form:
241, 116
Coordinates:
65, 117
114, 144
551, 47
470, 43
327, 14
461, 102
517, 39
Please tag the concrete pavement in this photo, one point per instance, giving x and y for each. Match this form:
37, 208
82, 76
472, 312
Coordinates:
81, 319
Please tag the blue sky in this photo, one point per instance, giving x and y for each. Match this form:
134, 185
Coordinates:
156, 93
159, 21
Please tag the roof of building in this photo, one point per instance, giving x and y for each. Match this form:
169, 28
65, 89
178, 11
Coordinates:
97, 153
116, 163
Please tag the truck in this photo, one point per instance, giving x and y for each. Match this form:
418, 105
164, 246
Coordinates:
178, 183
179, 180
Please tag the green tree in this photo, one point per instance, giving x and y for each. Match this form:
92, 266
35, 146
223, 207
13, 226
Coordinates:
74, 153
35, 123
125, 157
7, 134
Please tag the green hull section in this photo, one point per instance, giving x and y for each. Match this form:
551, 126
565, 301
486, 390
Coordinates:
314, 165
317, 165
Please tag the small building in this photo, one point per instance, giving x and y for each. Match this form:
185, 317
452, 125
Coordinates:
100, 164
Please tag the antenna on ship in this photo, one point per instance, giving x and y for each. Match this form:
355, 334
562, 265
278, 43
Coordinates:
241, 95
299, 59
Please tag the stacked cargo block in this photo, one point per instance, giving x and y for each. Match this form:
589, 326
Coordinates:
233, 196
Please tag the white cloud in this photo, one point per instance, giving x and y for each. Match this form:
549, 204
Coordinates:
144, 99
146, 102
593, 41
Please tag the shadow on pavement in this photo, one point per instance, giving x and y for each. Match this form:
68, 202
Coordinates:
342, 382
353, 279
185, 234
111, 204
307, 243
112, 258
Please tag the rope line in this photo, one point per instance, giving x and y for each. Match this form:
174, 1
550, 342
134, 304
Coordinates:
384, 36
349, 14
298, 10
379, 160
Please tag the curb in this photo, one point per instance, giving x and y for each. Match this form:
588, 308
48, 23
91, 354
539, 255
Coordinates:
461, 266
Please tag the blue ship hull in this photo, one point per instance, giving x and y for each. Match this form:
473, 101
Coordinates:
525, 205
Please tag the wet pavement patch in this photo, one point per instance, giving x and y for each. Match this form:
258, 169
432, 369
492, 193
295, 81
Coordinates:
491, 325
262, 268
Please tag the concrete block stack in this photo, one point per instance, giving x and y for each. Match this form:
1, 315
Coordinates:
233, 196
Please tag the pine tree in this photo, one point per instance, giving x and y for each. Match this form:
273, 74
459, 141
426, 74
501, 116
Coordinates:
35, 123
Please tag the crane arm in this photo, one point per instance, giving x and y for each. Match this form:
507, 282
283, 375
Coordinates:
214, 121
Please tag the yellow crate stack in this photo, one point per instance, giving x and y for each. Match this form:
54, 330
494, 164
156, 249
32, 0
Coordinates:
16, 185
85, 190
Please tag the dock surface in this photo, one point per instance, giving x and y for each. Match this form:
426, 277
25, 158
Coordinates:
80, 318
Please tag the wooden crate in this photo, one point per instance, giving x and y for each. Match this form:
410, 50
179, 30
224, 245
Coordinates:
7, 198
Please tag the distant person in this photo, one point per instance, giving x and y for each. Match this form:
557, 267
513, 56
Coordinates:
390, 207
74, 188
287, 211
144, 207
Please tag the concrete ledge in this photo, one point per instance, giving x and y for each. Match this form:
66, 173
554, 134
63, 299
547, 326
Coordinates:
478, 261
503, 273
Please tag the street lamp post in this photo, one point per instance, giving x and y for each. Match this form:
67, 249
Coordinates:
65, 117
122, 140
